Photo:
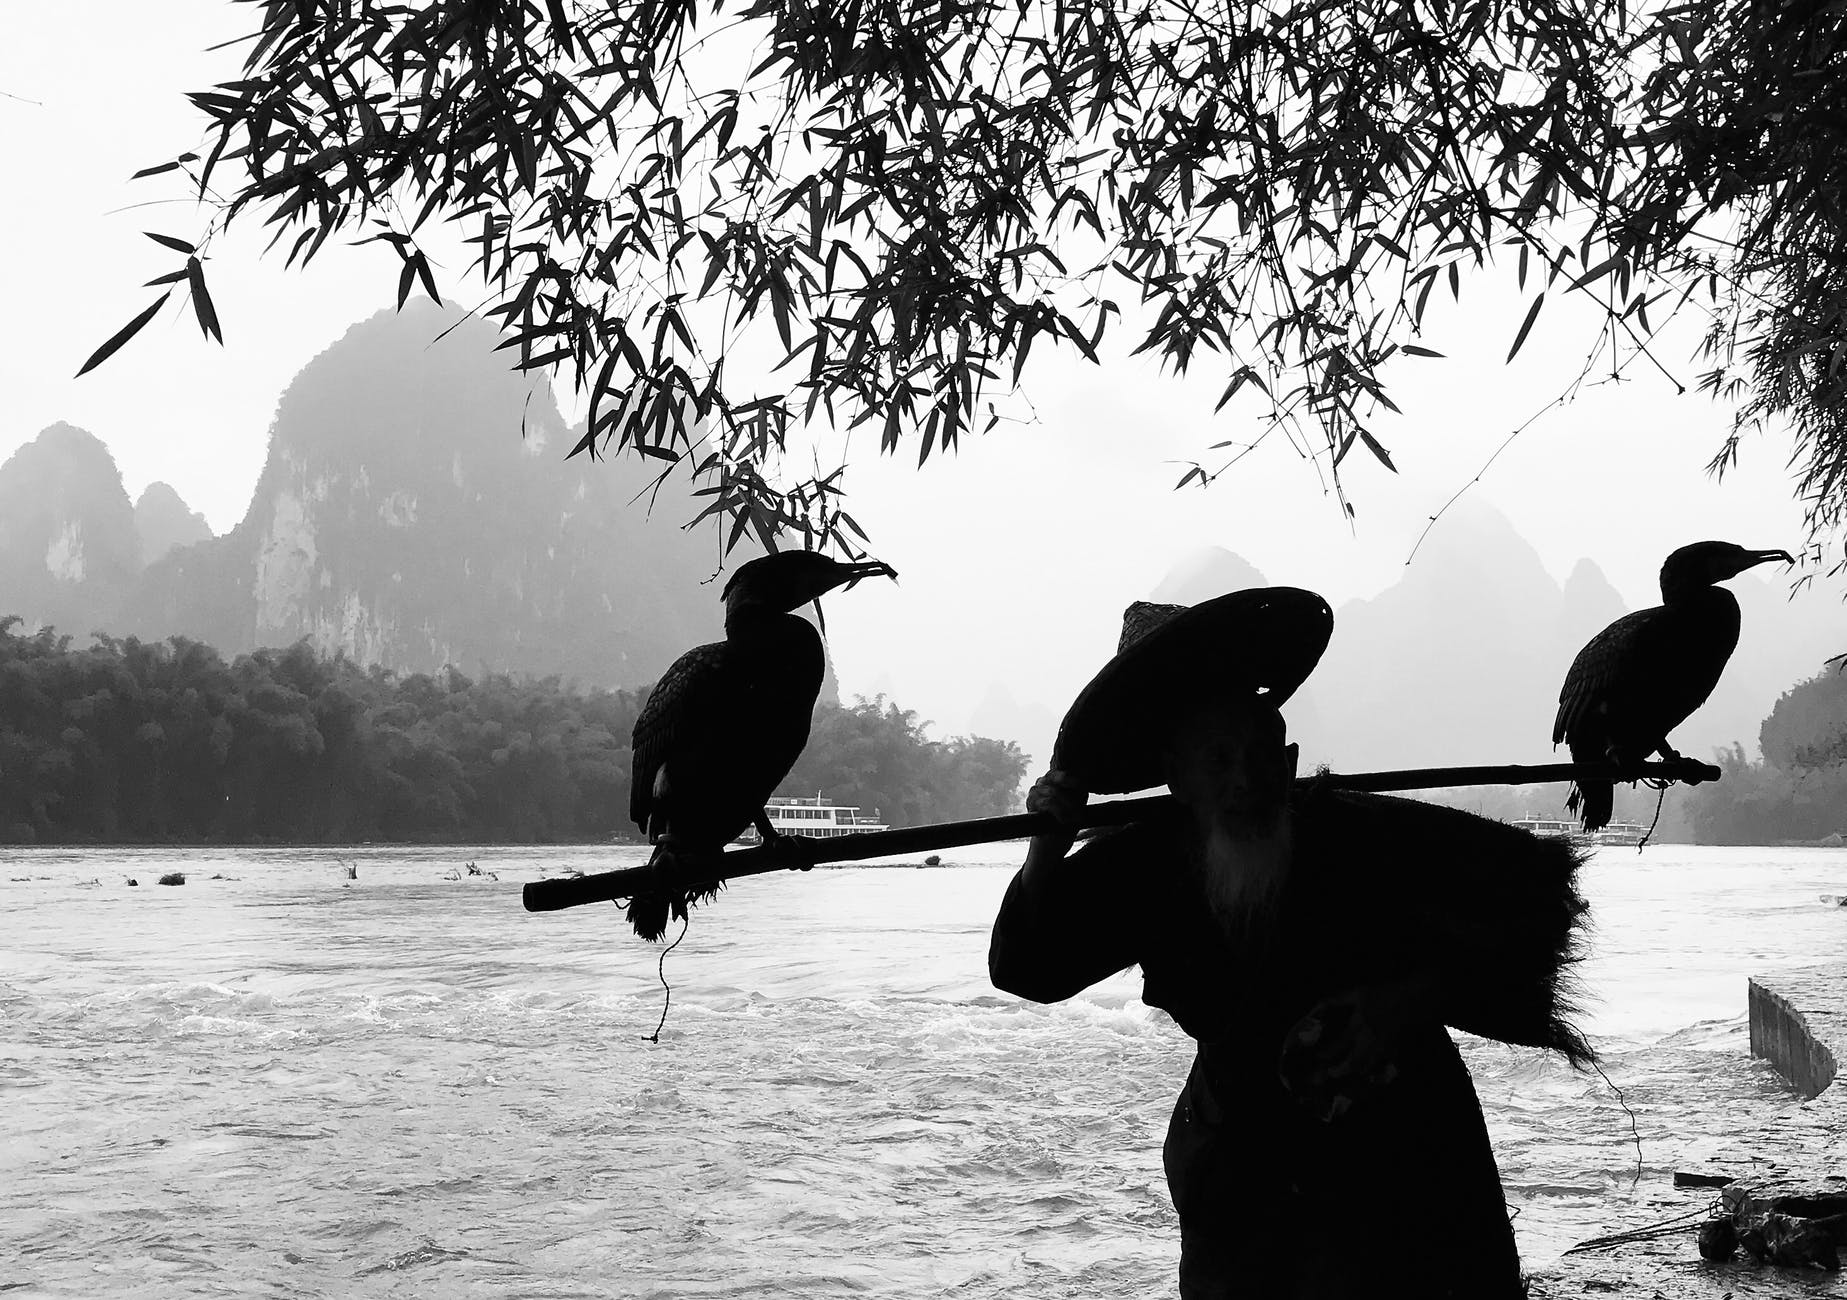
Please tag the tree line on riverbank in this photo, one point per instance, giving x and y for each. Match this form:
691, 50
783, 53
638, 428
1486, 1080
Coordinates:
166, 741
1798, 792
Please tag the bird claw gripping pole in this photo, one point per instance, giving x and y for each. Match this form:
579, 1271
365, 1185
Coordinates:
1683, 770
781, 855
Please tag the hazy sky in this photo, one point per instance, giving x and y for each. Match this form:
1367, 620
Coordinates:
1016, 555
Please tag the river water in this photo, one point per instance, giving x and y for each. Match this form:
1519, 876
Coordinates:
273, 1081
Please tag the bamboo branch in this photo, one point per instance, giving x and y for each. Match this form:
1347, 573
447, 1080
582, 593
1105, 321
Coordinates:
795, 854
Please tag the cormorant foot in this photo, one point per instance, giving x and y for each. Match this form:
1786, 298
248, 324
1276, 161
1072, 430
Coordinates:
665, 858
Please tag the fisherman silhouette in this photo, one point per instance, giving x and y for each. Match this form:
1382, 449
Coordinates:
1328, 1141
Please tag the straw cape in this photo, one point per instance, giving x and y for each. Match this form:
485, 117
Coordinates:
1268, 638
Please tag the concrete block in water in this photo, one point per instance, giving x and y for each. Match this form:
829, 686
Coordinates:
1799, 1025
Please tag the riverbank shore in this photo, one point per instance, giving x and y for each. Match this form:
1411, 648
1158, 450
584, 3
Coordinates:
1799, 1026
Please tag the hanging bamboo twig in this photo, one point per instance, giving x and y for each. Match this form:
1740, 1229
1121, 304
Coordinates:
800, 854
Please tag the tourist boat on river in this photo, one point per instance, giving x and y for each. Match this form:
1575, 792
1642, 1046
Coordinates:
818, 818
1620, 833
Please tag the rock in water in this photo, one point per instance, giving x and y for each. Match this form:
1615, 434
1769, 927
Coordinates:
1718, 1240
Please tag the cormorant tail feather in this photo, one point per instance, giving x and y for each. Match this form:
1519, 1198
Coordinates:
649, 911
1594, 802
648, 914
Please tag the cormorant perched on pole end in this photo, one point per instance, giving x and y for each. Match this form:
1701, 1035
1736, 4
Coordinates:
1644, 674
727, 720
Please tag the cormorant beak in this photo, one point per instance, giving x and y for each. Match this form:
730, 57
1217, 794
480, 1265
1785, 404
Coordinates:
1756, 558
869, 569
847, 576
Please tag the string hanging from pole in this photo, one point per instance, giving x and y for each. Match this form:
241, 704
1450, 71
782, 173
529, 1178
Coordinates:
660, 972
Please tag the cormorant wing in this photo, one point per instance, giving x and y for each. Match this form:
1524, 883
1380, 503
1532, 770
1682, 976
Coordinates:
1596, 669
688, 704
1624, 687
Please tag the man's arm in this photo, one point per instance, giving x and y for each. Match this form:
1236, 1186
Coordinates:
1067, 919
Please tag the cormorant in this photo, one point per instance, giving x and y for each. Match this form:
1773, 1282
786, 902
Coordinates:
727, 721
1645, 673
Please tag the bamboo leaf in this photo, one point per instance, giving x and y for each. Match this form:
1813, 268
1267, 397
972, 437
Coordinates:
561, 25
170, 241
1238, 380
122, 335
1423, 297
422, 264
1346, 445
1526, 326
202, 307
1602, 268
779, 308
1372, 445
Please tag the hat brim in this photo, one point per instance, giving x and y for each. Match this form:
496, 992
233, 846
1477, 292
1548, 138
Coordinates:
1268, 639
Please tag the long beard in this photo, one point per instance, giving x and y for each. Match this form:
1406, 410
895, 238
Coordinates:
1244, 865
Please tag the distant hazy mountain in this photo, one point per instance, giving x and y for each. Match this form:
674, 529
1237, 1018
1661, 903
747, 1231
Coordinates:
164, 522
1027, 723
403, 517
68, 547
1589, 605
1459, 662
1205, 573
415, 510
1456, 663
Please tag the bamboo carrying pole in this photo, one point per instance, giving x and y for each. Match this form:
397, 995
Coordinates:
555, 895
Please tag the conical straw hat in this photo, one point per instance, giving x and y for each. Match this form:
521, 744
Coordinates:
1267, 638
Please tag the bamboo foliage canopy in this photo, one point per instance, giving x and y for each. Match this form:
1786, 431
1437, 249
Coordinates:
723, 221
